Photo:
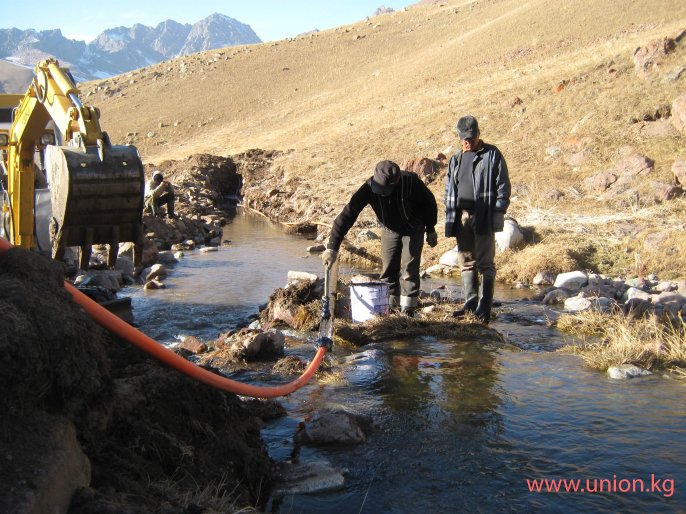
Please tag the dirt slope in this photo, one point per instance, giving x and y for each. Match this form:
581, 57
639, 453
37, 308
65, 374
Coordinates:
536, 74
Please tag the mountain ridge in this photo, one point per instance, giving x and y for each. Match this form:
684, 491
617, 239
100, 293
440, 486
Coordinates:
121, 49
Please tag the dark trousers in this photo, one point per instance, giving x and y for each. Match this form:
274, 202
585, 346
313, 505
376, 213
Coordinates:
475, 251
401, 256
164, 199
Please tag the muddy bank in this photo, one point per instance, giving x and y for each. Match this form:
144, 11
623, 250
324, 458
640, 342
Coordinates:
92, 422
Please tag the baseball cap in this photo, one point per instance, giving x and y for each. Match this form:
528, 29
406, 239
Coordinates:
467, 127
386, 176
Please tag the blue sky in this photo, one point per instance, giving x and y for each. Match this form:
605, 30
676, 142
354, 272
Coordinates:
270, 19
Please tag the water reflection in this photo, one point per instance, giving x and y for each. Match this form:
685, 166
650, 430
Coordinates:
458, 427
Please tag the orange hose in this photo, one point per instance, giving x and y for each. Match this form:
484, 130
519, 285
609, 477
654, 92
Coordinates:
118, 326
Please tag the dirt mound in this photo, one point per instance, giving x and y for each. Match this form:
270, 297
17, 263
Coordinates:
297, 306
212, 172
154, 439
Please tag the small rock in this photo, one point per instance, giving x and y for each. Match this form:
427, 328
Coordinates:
301, 276
449, 258
335, 427
544, 278
578, 304
573, 280
153, 284
316, 248
367, 235
626, 371
193, 345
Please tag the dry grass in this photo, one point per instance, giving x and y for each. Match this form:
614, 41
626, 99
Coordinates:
213, 498
397, 326
613, 339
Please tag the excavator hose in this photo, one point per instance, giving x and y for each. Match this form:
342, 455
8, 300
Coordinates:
119, 327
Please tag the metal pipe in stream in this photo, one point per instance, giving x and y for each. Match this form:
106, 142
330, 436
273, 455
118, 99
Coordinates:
116, 325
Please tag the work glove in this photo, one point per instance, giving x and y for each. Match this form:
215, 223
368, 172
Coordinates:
432, 238
498, 221
329, 257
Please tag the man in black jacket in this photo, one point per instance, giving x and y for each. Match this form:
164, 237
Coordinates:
406, 209
477, 195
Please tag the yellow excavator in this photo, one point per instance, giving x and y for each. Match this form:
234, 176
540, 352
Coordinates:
94, 191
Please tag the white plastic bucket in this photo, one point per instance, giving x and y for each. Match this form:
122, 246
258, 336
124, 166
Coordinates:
368, 299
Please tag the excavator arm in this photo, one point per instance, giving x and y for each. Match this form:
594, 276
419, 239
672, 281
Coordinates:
96, 189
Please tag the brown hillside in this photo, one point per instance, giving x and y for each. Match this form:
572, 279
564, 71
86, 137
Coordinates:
538, 74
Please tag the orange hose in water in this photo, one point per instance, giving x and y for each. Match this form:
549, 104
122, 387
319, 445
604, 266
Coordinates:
118, 326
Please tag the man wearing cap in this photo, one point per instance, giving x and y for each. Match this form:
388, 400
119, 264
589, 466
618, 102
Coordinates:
407, 210
477, 195
159, 192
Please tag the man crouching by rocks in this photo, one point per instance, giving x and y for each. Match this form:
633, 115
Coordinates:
406, 209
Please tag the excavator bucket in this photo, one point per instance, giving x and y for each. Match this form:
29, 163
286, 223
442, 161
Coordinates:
97, 196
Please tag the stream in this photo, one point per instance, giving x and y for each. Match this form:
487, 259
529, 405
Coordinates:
457, 426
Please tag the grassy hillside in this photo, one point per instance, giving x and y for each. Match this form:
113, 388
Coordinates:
538, 75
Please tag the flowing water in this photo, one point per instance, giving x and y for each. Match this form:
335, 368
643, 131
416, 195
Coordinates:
458, 426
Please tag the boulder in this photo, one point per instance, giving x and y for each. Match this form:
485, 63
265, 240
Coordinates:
657, 129
450, 258
111, 280
573, 280
367, 235
624, 371
301, 276
318, 248
153, 284
599, 182
167, 257
679, 171
424, 167
307, 478
193, 345
334, 426
578, 304
511, 236
634, 292
636, 307
544, 278
679, 113
663, 192
156, 272
556, 296
647, 58
262, 346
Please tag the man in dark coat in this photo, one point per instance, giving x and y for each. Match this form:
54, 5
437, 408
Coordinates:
407, 210
477, 195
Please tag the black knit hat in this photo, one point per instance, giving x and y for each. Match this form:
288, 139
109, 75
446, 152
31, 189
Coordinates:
386, 176
467, 127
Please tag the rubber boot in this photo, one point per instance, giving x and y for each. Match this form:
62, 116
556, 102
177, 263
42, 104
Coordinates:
393, 304
408, 311
408, 305
470, 285
483, 310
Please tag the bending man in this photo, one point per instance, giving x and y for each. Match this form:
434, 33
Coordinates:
159, 192
477, 195
406, 209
